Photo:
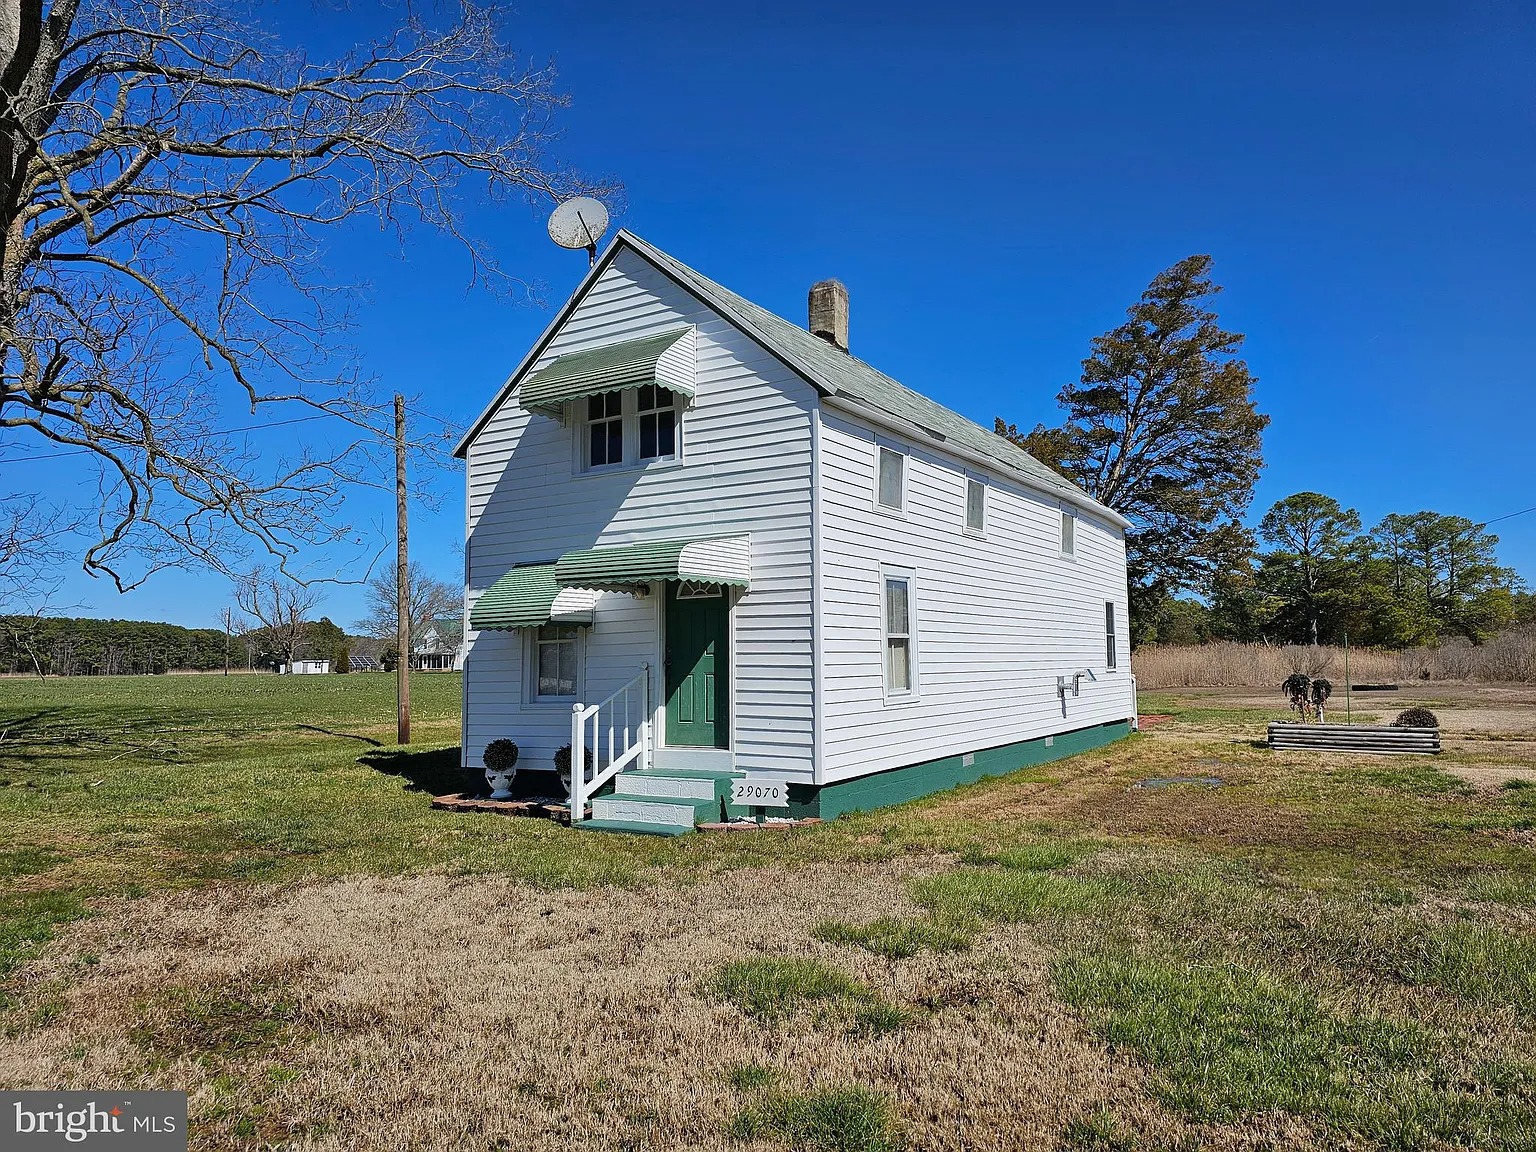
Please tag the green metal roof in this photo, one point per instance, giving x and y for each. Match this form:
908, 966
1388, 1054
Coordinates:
626, 565
628, 364
523, 598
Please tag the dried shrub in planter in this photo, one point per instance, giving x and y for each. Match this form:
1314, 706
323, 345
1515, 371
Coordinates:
1416, 718
1296, 686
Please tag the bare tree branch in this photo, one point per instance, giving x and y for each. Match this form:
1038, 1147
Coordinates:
168, 175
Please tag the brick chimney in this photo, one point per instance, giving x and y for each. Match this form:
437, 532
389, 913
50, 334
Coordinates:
829, 313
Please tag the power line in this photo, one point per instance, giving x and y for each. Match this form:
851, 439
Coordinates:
130, 447
246, 428
1509, 516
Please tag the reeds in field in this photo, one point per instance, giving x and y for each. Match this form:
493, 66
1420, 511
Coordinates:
1510, 657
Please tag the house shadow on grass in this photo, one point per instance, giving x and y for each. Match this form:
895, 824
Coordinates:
435, 771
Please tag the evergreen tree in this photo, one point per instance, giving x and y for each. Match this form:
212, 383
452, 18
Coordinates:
1162, 427
1312, 564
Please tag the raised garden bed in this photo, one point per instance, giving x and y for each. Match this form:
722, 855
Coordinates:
1377, 739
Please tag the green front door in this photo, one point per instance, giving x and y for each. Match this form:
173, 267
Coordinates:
698, 665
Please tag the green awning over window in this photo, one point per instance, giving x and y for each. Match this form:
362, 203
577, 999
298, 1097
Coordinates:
721, 560
666, 359
528, 597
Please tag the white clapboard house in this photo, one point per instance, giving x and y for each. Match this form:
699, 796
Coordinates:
720, 557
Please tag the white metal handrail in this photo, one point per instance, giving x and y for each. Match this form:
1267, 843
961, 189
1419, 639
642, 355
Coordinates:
629, 740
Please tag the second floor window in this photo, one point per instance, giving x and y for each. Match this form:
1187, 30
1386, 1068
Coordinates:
657, 408
890, 483
605, 429
631, 426
975, 506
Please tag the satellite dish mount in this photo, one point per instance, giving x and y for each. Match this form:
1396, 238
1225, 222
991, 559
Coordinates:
579, 223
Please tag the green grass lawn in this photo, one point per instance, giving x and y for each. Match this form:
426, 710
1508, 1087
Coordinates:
1346, 945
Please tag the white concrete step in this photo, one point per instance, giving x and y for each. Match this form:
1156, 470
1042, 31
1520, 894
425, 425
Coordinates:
628, 784
694, 759
635, 810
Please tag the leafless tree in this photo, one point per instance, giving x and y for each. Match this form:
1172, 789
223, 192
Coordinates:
429, 600
280, 606
168, 175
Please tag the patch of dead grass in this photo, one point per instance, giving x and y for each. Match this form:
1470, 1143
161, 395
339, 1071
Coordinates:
443, 1012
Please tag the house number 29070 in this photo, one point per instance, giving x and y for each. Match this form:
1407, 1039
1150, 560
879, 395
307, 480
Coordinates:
764, 793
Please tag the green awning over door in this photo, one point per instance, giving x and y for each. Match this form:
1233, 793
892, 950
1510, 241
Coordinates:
718, 560
528, 597
666, 359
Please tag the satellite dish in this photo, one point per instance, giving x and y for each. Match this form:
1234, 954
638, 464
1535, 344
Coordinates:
579, 223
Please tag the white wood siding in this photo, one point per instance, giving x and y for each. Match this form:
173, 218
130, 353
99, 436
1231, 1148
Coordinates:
998, 617
746, 469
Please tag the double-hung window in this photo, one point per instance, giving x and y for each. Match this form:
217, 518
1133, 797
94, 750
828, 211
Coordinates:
555, 661
890, 479
1109, 634
630, 426
975, 506
657, 408
899, 661
605, 429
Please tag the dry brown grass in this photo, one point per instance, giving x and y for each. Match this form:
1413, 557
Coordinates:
1509, 658
431, 1012
477, 1012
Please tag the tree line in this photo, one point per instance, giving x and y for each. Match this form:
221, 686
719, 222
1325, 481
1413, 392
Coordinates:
79, 646
1318, 578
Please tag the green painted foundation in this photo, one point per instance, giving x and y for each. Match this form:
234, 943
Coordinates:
898, 785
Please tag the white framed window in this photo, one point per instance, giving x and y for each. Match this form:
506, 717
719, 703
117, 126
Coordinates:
1110, 652
1068, 533
556, 656
631, 428
975, 506
604, 441
656, 408
900, 635
890, 479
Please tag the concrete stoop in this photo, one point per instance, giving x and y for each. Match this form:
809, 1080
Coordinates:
662, 801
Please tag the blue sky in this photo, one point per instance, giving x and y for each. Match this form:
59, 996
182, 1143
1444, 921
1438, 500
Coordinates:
996, 184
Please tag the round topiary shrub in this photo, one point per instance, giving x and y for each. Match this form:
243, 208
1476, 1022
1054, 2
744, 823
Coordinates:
1416, 718
500, 755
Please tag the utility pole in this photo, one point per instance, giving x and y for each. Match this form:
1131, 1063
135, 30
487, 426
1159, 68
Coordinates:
402, 592
228, 618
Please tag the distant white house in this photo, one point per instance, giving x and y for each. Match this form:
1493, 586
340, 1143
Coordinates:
726, 561
307, 667
439, 648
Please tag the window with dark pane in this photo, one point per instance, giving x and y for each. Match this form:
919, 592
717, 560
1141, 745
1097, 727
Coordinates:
658, 422
975, 505
605, 429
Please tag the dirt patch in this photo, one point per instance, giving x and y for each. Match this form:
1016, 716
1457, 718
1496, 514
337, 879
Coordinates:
1491, 777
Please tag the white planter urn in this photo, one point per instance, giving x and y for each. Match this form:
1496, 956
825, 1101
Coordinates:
500, 782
